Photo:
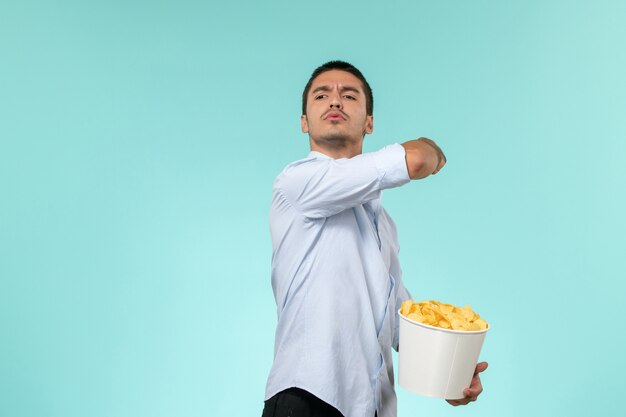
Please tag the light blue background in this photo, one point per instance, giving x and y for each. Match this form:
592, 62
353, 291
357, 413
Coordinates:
138, 145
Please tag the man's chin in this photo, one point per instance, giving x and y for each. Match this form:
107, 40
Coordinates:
337, 140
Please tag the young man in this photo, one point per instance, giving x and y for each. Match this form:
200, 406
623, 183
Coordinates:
335, 270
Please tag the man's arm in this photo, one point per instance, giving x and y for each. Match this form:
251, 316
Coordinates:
423, 158
324, 187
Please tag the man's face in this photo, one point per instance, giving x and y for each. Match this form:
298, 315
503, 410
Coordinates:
336, 109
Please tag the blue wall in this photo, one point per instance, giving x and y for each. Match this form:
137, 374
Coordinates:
138, 145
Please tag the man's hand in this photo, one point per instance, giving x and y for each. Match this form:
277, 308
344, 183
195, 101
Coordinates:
423, 158
474, 389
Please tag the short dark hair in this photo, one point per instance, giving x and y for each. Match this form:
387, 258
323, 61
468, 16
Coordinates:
341, 66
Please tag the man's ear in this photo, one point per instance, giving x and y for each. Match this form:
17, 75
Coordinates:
369, 125
304, 124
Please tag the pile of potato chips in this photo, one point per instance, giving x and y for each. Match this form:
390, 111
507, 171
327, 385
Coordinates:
446, 316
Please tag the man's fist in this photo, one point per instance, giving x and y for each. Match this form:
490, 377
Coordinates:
423, 158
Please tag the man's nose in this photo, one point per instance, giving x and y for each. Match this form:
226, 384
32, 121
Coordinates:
335, 102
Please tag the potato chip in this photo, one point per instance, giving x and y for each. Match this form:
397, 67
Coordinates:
406, 307
446, 316
416, 317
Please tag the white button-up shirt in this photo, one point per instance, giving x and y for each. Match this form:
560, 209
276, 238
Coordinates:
337, 280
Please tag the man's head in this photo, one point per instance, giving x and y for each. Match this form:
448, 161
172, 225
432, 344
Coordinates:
341, 66
337, 108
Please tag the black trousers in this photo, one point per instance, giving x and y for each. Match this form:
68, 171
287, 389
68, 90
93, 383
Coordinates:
296, 402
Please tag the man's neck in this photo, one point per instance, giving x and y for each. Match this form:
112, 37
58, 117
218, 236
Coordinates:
336, 150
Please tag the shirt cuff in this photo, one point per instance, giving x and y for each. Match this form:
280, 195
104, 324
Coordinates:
391, 165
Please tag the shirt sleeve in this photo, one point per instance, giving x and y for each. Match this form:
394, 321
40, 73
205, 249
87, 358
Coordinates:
320, 188
401, 296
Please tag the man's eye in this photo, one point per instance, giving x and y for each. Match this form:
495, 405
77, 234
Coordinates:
350, 97
320, 96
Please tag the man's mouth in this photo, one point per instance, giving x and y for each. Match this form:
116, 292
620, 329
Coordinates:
333, 115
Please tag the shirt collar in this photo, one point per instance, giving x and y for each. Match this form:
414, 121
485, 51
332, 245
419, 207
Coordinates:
318, 155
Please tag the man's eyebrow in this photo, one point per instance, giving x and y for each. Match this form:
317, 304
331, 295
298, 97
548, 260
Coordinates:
343, 88
350, 88
321, 88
